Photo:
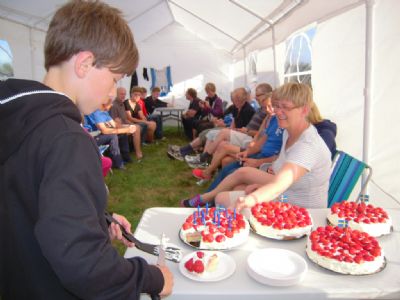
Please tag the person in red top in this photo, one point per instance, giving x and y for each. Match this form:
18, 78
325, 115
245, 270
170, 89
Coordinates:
141, 102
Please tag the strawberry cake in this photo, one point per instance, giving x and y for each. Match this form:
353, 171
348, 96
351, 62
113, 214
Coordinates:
279, 220
214, 229
202, 263
361, 216
345, 250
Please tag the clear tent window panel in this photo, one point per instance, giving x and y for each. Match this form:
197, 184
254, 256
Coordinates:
298, 58
6, 60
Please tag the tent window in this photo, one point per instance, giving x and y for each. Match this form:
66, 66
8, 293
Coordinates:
298, 61
6, 61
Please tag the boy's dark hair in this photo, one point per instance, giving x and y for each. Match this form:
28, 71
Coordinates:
156, 89
136, 89
91, 26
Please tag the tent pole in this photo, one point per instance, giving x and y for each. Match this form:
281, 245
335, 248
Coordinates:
274, 55
244, 66
369, 5
32, 53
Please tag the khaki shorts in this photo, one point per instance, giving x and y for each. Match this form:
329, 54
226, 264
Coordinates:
240, 139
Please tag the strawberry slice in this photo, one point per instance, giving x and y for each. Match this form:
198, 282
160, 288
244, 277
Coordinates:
198, 266
189, 265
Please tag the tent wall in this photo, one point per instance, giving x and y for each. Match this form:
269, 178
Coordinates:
189, 57
385, 129
338, 77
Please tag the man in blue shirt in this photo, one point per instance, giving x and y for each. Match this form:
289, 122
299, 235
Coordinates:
117, 138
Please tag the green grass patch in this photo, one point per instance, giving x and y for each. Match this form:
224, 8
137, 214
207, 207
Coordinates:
157, 181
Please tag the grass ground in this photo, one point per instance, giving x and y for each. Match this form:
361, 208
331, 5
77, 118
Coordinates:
155, 182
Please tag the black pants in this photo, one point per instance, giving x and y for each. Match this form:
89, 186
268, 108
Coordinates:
188, 126
201, 125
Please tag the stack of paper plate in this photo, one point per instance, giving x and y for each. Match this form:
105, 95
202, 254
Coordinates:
278, 267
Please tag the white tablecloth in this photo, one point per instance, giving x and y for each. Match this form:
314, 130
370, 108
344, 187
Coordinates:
317, 284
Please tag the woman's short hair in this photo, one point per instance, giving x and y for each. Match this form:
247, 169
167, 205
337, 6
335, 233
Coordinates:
298, 93
191, 92
91, 26
210, 87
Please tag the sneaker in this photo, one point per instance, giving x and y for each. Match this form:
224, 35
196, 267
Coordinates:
199, 174
174, 148
195, 159
202, 165
175, 155
197, 200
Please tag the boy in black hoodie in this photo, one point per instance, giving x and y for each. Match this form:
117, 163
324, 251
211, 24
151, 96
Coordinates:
54, 240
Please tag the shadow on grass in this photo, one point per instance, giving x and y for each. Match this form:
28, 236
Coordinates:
157, 181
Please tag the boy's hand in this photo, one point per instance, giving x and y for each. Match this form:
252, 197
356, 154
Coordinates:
116, 233
168, 281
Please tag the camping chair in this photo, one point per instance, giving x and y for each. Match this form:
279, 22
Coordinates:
345, 174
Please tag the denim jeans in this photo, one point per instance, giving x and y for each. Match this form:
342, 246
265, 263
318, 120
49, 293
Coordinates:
227, 170
159, 129
143, 131
115, 153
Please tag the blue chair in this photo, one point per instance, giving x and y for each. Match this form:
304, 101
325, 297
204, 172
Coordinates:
345, 174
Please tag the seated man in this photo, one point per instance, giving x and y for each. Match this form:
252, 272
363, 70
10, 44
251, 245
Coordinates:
193, 113
117, 112
237, 139
111, 135
180, 152
152, 102
135, 115
242, 114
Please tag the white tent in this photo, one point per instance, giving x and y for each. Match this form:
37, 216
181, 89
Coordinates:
353, 56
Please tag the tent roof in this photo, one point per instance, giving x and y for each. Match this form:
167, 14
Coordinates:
226, 24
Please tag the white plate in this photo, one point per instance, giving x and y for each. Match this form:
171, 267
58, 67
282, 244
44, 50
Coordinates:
278, 267
226, 267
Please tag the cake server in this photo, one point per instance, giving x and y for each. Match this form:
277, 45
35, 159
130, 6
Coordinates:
171, 253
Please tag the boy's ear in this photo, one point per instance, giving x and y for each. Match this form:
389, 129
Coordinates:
83, 63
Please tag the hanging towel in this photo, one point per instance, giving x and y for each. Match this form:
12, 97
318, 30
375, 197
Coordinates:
162, 79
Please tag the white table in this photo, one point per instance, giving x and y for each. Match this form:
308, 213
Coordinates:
318, 283
173, 113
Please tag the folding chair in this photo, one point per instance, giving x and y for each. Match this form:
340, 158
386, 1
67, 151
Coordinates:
345, 174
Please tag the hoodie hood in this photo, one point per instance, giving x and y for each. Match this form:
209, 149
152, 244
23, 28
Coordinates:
24, 105
327, 130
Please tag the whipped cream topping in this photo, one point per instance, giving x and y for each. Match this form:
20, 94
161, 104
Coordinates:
366, 267
373, 229
278, 234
